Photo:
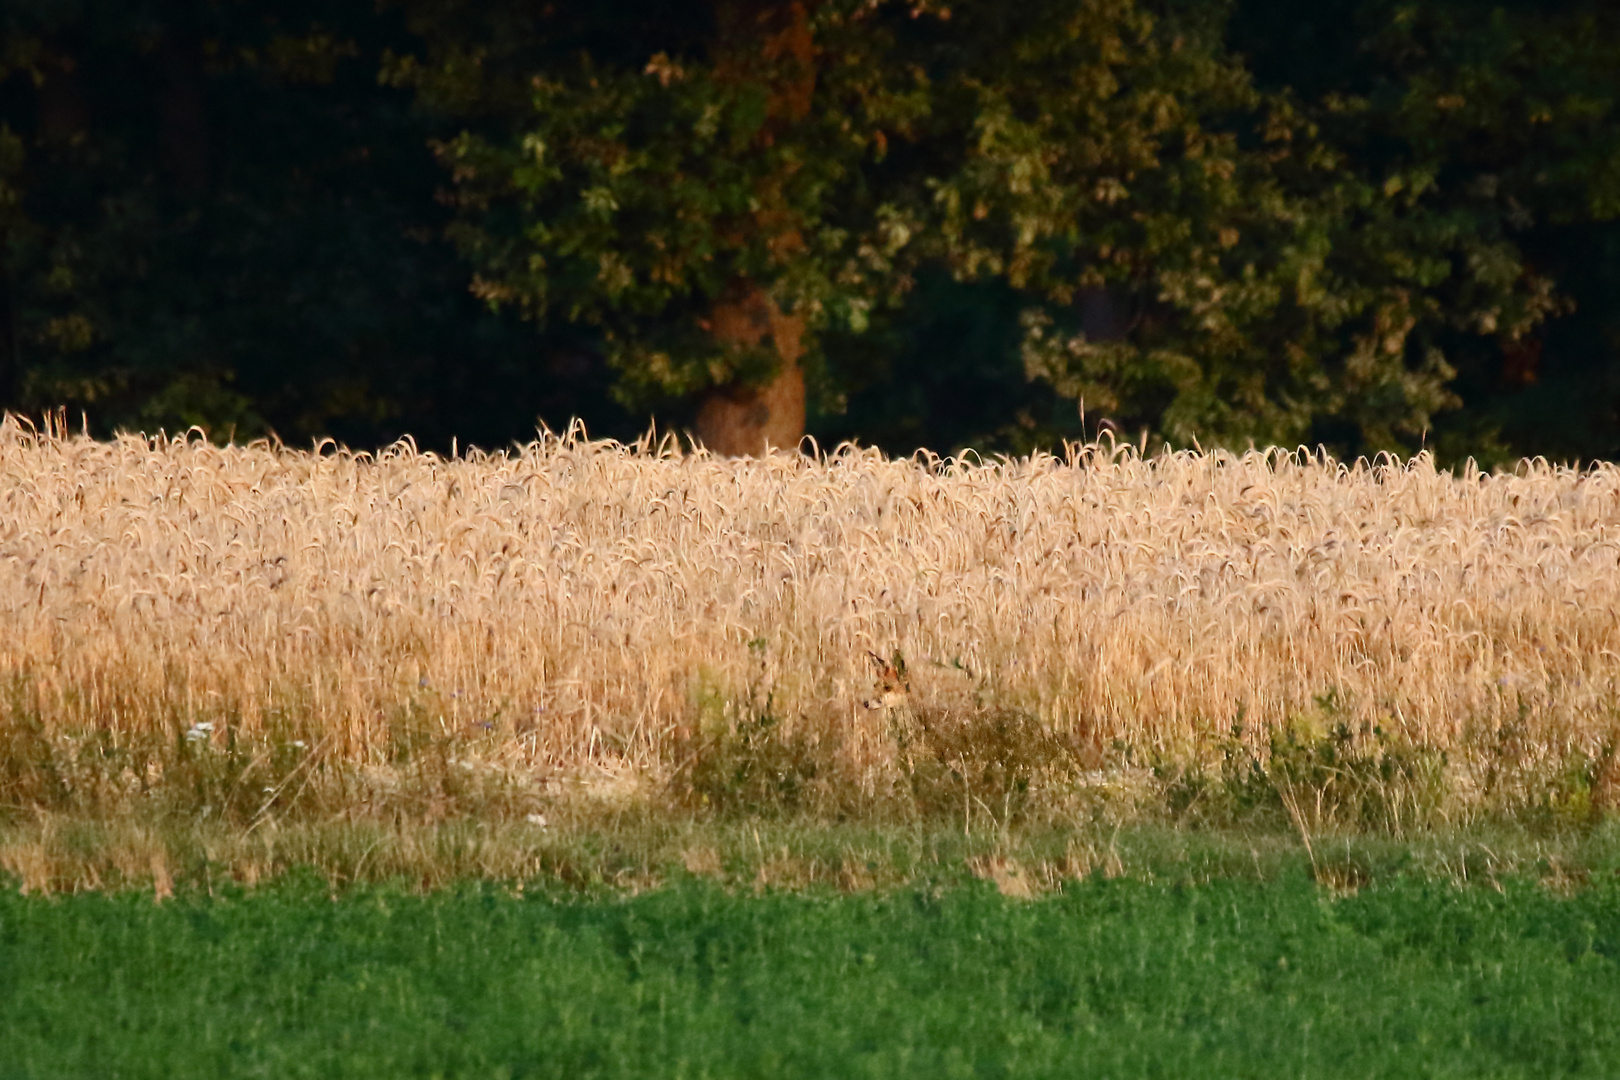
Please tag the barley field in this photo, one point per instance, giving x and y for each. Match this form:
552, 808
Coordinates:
635, 620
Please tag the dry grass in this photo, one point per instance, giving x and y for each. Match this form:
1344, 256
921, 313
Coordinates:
248, 630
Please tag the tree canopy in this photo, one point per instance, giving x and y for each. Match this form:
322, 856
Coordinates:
1374, 225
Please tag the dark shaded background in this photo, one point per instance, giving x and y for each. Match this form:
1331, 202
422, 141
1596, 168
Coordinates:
217, 213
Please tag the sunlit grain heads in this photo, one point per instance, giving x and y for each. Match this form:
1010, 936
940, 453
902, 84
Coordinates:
559, 598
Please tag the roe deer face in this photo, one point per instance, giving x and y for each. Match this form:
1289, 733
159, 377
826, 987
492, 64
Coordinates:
891, 688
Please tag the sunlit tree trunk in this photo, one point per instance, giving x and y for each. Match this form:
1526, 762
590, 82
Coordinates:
743, 420
737, 419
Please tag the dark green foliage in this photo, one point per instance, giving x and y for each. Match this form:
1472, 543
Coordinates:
1193, 254
1117, 979
946, 372
1372, 224
213, 214
1501, 122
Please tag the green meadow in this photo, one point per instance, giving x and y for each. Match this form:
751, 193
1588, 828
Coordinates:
1155, 974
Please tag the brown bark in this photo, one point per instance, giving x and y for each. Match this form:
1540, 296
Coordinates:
742, 420
738, 420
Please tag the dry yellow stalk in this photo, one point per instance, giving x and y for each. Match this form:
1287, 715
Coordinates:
559, 607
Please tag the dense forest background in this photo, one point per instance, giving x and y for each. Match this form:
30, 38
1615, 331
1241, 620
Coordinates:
1365, 224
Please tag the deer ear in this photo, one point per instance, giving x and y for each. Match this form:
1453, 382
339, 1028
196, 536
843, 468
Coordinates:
878, 662
899, 664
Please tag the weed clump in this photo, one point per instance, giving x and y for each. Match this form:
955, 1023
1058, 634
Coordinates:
992, 762
1316, 773
751, 764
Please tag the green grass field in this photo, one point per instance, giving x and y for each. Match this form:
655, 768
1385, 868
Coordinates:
1409, 976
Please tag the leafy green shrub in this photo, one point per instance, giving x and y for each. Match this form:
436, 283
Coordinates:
1316, 772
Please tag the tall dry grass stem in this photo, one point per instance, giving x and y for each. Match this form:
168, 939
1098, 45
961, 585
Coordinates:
264, 627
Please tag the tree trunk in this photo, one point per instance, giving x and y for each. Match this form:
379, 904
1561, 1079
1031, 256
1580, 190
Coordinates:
751, 421
770, 41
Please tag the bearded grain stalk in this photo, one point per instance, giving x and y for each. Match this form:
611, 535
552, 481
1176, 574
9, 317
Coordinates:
572, 605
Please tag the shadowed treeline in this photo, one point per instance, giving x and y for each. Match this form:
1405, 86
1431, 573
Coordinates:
1371, 225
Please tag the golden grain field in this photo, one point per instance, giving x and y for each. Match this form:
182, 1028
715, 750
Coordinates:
584, 606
